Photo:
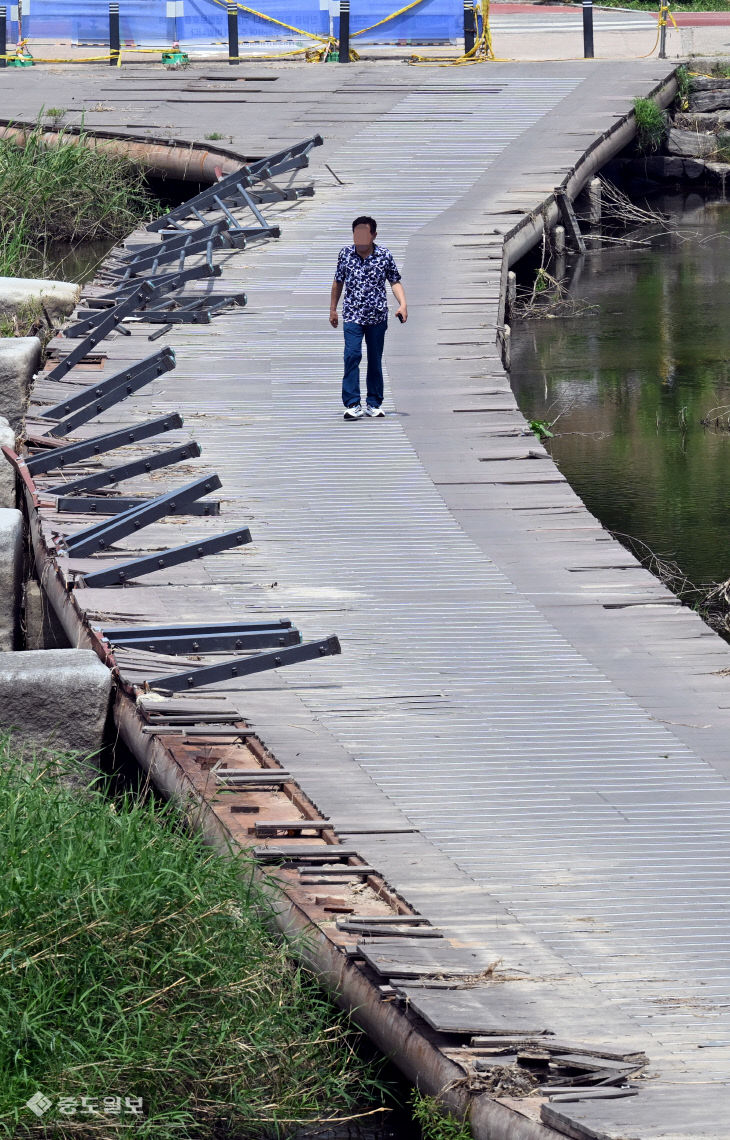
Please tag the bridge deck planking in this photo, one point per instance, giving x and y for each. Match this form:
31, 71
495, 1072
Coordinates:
533, 780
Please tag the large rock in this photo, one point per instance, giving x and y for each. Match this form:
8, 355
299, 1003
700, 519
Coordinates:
7, 474
694, 169
707, 83
11, 575
710, 100
55, 698
660, 167
719, 174
20, 358
26, 295
703, 121
691, 144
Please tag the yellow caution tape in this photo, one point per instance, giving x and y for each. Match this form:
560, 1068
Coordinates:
661, 23
481, 52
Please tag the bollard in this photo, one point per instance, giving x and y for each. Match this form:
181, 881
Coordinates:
663, 11
511, 290
559, 250
594, 201
344, 45
3, 36
233, 33
588, 29
507, 348
114, 41
469, 27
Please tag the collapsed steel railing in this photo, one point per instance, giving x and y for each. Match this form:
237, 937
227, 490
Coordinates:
144, 287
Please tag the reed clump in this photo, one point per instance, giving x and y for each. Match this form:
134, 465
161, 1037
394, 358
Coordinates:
136, 963
651, 126
67, 192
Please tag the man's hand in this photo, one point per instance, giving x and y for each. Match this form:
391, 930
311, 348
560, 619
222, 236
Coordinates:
334, 320
402, 313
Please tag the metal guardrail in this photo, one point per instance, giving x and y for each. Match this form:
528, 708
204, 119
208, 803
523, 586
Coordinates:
143, 288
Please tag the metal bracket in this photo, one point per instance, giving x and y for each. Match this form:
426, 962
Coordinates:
115, 504
165, 252
197, 311
171, 240
73, 452
291, 158
123, 572
161, 361
246, 666
102, 535
119, 634
114, 475
94, 400
159, 287
108, 320
205, 642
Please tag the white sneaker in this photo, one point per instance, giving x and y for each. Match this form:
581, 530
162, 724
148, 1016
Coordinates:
353, 413
371, 411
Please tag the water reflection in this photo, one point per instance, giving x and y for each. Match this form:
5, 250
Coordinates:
64, 261
631, 383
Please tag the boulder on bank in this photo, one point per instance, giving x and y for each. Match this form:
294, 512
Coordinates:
18, 295
7, 474
663, 168
691, 144
20, 357
703, 121
719, 173
708, 83
713, 100
55, 698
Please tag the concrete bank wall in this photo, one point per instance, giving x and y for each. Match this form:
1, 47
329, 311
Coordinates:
528, 231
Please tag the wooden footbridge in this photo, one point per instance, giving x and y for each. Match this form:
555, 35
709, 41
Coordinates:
501, 813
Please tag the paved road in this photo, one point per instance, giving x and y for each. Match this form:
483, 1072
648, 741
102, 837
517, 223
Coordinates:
513, 686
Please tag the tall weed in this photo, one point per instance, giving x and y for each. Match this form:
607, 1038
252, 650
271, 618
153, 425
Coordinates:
136, 962
69, 192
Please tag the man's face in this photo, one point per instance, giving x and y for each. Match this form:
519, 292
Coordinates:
362, 238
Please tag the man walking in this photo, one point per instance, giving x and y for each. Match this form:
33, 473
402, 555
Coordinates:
362, 269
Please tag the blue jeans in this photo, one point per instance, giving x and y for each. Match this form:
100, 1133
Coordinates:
374, 340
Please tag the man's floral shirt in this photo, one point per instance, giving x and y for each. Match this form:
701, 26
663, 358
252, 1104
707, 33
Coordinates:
364, 278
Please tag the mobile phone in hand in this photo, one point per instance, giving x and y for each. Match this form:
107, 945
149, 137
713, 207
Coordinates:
400, 317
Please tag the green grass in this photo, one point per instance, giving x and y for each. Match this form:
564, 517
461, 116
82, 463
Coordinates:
651, 125
720, 70
435, 1123
134, 962
69, 192
681, 6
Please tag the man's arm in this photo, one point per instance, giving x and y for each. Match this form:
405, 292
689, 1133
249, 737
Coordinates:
400, 295
334, 301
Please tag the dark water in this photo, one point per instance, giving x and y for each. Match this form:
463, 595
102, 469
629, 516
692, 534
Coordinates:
63, 261
632, 381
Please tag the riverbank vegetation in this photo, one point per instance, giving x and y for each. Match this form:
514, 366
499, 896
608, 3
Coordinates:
137, 965
652, 6
68, 192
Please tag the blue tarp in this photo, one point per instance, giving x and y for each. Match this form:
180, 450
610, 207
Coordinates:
204, 21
